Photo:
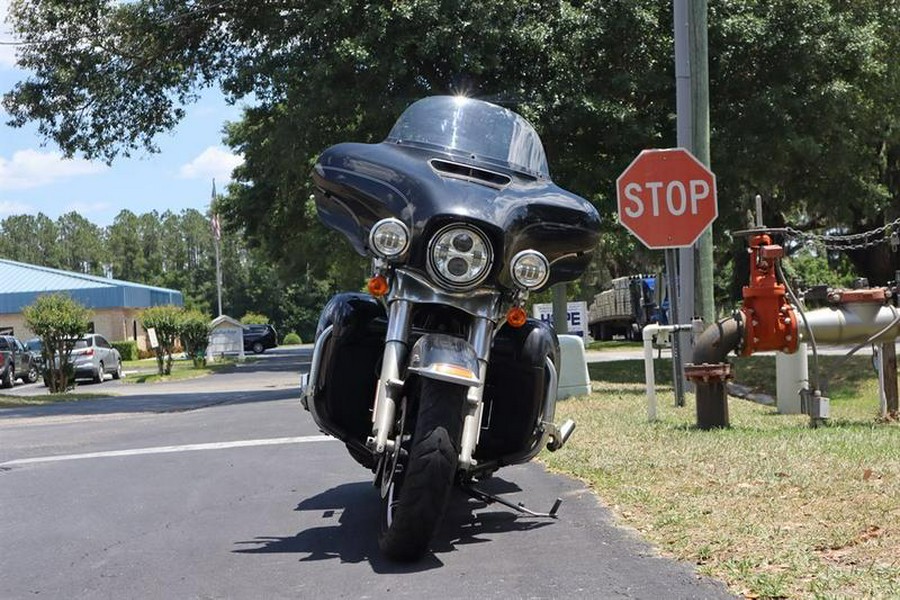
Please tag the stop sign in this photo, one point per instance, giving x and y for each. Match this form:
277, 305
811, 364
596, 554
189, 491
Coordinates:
666, 198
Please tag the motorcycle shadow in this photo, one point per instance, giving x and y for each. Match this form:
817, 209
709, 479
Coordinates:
353, 536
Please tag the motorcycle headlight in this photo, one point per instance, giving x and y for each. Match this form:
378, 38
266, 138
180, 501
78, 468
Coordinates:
459, 256
389, 238
529, 269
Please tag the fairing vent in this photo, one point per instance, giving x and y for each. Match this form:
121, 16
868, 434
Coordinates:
468, 173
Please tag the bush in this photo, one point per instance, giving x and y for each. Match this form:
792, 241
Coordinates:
128, 349
193, 329
165, 320
291, 338
58, 320
252, 318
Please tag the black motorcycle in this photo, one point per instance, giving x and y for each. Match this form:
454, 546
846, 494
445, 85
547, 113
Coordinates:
437, 376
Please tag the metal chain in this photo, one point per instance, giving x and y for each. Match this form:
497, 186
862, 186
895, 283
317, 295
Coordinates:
854, 241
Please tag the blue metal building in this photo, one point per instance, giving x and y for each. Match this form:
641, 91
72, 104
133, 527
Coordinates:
116, 304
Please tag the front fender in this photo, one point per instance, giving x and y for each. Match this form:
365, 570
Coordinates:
445, 358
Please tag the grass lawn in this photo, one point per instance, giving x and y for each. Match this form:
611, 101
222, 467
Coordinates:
181, 369
770, 506
614, 345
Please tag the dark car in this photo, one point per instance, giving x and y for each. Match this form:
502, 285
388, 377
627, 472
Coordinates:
15, 362
259, 337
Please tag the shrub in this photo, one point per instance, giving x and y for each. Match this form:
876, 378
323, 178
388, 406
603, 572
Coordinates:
253, 318
193, 329
128, 349
58, 320
165, 321
291, 338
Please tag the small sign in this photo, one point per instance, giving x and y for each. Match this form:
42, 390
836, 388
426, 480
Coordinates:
151, 333
576, 316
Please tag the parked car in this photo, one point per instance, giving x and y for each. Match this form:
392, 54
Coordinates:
34, 347
15, 362
93, 357
260, 337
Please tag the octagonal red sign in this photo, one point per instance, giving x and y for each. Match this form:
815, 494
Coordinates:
666, 198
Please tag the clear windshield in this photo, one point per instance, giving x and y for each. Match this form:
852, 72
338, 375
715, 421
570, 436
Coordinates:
489, 132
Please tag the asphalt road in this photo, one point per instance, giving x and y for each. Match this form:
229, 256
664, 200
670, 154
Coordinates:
223, 488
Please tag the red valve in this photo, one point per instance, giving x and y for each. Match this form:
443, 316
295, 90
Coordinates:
770, 322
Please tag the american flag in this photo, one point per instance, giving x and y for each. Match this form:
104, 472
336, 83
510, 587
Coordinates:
214, 222
216, 227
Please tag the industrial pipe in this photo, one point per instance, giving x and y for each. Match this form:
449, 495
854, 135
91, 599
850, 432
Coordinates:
710, 370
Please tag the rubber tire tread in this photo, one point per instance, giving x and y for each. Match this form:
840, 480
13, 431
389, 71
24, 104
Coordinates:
430, 473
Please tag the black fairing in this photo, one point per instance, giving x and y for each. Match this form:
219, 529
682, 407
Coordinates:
514, 391
359, 184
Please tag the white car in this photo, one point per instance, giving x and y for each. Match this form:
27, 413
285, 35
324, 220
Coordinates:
93, 357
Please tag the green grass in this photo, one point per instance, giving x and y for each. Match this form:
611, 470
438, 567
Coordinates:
181, 369
614, 345
770, 506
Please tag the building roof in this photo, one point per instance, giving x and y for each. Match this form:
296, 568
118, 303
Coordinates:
21, 284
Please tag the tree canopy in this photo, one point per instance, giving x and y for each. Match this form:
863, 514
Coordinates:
803, 98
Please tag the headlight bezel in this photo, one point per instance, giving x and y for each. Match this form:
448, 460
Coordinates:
536, 282
480, 242
385, 252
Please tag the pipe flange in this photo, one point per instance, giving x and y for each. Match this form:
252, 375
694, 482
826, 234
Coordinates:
707, 372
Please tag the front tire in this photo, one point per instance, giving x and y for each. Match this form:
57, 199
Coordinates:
416, 499
32, 375
258, 348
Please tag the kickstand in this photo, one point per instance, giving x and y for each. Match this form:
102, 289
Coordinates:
490, 499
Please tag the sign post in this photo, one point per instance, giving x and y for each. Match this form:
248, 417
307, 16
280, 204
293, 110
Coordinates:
667, 198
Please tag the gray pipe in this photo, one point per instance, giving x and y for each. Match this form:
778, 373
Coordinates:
710, 371
854, 322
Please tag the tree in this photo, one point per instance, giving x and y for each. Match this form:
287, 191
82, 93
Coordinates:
81, 245
58, 320
804, 95
193, 329
253, 318
165, 321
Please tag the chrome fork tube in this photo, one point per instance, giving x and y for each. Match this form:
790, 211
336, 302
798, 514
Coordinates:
480, 336
390, 386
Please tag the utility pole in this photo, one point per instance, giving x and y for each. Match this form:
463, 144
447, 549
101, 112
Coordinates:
692, 107
560, 308
700, 146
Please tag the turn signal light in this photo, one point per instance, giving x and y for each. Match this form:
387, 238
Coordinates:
378, 286
516, 316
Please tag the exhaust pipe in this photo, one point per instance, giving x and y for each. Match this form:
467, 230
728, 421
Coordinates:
710, 370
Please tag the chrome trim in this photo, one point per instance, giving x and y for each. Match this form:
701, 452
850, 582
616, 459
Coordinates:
389, 385
512, 269
453, 285
414, 287
438, 348
372, 239
480, 337
307, 395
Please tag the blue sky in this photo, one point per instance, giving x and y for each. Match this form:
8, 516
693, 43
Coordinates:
34, 178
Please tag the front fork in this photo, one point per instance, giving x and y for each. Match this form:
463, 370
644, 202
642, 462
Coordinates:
390, 384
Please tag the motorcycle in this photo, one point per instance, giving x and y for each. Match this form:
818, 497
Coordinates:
437, 376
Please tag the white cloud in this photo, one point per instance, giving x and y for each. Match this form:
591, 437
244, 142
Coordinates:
11, 207
33, 168
214, 162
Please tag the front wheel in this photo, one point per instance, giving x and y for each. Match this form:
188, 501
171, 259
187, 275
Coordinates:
416, 498
32, 374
